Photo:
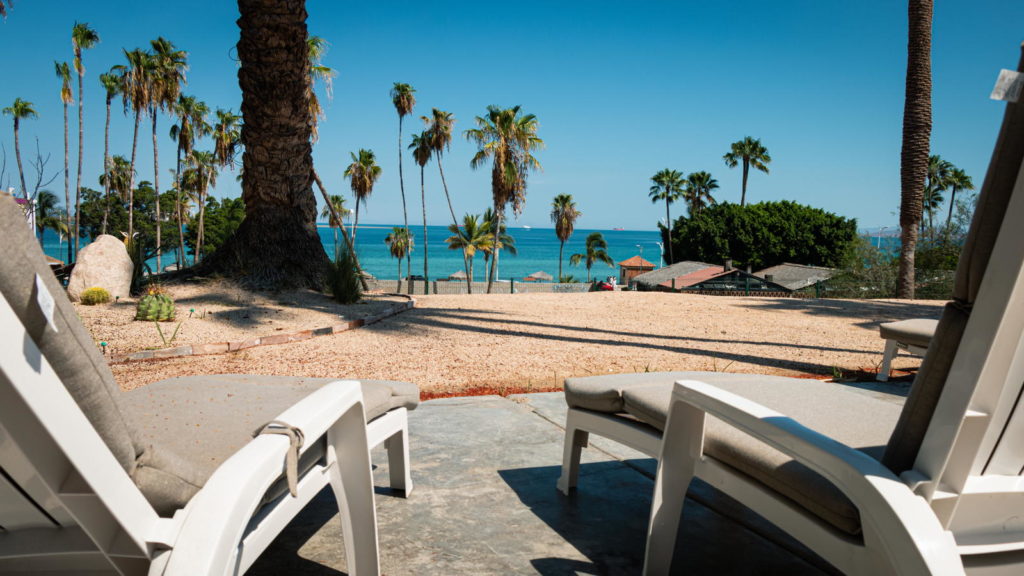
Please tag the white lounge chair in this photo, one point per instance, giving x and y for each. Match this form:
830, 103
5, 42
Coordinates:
168, 478
912, 335
932, 487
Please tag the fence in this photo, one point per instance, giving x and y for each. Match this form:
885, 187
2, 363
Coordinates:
513, 286
881, 282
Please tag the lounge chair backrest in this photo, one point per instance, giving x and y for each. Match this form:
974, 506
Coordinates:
70, 349
944, 361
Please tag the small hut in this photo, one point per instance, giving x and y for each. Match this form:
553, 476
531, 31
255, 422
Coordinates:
633, 267
459, 276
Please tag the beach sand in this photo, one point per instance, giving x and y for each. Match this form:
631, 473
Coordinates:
460, 344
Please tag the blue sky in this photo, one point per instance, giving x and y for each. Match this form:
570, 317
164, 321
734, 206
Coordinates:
621, 91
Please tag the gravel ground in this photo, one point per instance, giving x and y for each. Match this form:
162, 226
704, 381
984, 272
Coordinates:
449, 344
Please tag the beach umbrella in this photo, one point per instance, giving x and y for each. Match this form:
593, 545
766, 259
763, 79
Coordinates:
540, 275
460, 275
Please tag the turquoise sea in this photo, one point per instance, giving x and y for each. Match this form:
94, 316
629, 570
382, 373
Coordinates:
537, 248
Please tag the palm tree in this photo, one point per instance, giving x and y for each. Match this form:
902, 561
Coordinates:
596, 251
936, 181
439, 126
118, 178
112, 86
421, 152
404, 99
47, 210
198, 179
66, 97
505, 241
697, 191
166, 75
337, 206
668, 187
917, 131
563, 214
192, 125
227, 138
400, 243
750, 152
135, 88
362, 174
82, 38
20, 110
958, 180
508, 138
471, 237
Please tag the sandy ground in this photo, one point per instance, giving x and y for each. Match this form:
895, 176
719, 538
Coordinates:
457, 343
219, 311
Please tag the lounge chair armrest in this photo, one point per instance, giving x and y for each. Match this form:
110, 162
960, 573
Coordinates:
215, 520
888, 508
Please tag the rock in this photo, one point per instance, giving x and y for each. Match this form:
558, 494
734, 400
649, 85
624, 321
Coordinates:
104, 263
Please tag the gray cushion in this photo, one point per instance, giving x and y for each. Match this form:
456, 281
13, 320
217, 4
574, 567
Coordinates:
916, 332
190, 425
71, 350
854, 419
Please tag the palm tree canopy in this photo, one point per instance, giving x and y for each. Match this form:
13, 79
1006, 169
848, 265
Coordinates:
399, 242
166, 73
83, 37
317, 48
507, 137
474, 235
596, 251
338, 203
750, 150
201, 173
64, 74
135, 85
421, 148
227, 137
192, 125
404, 98
362, 173
959, 180
118, 178
439, 129
111, 82
667, 186
20, 109
564, 214
698, 189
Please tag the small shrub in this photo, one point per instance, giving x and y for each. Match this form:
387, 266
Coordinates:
94, 295
343, 279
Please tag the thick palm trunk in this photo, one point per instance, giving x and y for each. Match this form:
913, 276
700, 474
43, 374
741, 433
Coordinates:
156, 190
668, 226
106, 169
465, 258
746, 172
277, 245
355, 225
341, 223
17, 156
81, 145
405, 213
426, 267
561, 251
131, 181
67, 189
917, 127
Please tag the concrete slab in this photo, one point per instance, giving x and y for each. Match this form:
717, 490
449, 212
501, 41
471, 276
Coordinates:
485, 503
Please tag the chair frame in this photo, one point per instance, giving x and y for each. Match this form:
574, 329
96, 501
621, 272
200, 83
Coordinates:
957, 509
70, 506
892, 346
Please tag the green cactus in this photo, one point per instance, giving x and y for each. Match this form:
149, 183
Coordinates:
155, 308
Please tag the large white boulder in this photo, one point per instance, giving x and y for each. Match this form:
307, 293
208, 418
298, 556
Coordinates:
104, 263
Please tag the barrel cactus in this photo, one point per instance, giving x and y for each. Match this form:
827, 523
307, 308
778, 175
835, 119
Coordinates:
94, 295
155, 308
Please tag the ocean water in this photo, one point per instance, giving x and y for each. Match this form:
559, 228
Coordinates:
537, 251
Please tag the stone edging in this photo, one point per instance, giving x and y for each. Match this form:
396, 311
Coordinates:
235, 346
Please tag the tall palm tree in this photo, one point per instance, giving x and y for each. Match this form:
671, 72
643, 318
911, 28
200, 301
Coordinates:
750, 152
82, 38
471, 237
564, 214
505, 241
421, 152
336, 207
399, 244
198, 179
20, 110
403, 96
317, 48
191, 114
362, 174
508, 138
596, 251
47, 213
66, 97
166, 75
135, 87
935, 183
227, 138
439, 126
958, 180
697, 191
112, 87
917, 131
667, 186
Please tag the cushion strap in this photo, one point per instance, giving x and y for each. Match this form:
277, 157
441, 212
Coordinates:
295, 440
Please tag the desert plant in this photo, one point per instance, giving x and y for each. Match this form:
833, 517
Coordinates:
168, 342
94, 295
155, 308
343, 278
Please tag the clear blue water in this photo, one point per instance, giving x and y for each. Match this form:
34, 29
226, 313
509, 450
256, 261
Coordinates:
537, 247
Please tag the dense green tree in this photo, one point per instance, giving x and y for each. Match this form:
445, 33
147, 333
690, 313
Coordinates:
18, 111
95, 205
667, 185
748, 152
596, 251
765, 234
83, 37
222, 219
564, 214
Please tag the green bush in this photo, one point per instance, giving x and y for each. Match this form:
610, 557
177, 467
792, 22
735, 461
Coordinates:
343, 279
94, 295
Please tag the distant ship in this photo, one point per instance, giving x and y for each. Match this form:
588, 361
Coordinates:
525, 227
618, 229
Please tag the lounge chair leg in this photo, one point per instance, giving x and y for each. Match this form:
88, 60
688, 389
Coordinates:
673, 480
575, 440
352, 482
890, 353
398, 458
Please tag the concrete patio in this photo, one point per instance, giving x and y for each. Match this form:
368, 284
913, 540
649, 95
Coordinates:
485, 503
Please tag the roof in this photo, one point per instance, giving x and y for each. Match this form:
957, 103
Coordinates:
666, 274
636, 262
693, 278
457, 275
540, 275
796, 276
